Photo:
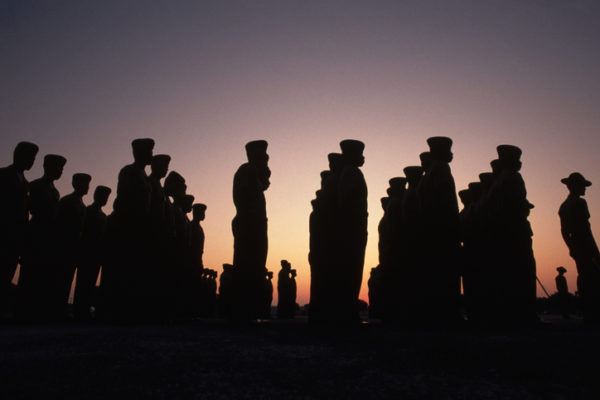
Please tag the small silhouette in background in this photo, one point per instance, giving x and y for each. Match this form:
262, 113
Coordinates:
563, 296
226, 295
286, 291
14, 214
91, 256
577, 234
267, 295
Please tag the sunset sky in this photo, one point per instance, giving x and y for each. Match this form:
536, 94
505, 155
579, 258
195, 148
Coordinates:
82, 79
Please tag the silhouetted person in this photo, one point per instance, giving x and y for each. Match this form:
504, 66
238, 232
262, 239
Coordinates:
562, 294
226, 295
91, 256
250, 229
70, 219
513, 260
128, 237
14, 214
577, 234
197, 235
39, 260
268, 295
286, 291
439, 211
159, 168
352, 205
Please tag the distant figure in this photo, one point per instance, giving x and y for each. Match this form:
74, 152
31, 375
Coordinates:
14, 214
197, 236
268, 295
91, 255
125, 281
286, 291
562, 295
439, 213
250, 230
512, 257
226, 295
352, 230
577, 234
39, 259
70, 219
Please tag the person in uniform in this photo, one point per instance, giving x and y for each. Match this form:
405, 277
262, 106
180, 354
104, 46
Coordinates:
562, 288
14, 214
249, 228
91, 256
353, 215
70, 220
439, 213
577, 234
40, 256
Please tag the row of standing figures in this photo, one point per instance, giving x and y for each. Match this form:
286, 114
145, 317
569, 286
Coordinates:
147, 252
150, 253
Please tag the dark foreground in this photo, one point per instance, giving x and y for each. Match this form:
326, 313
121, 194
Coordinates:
210, 359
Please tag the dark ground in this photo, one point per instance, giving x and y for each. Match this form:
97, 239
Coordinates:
289, 359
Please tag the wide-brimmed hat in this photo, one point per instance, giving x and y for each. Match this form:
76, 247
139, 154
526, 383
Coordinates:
440, 145
561, 269
576, 177
199, 207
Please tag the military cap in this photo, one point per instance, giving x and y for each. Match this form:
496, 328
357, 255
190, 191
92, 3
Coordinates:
54, 160
425, 156
397, 183
334, 157
325, 174
465, 195
227, 267
561, 269
270, 274
199, 206
475, 188
102, 191
508, 152
161, 159
439, 144
351, 146
189, 200
174, 179
142, 144
26, 148
81, 178
496, 165
256, 147
286, 263
384, 202
576, 177
486, 178
413, 173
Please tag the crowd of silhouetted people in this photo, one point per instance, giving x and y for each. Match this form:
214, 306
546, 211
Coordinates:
144, 261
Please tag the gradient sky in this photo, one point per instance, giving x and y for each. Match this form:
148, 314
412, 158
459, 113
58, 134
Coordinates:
202, 78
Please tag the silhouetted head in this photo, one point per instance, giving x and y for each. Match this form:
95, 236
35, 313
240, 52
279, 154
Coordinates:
24, 155
101, 195
476, 190
486, 179
270, 275
81, 183
413, 175
324, 176
187, 202
285, 264
465, 197
256, 151
576, 183
397, 186
53, 166
293, 272
440, 148
352, 150
509, 157
227, 268
160, 165
496, 166
561, 270
384, 202
199, 211
336, 162
174, 184
425, 158
142, 151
